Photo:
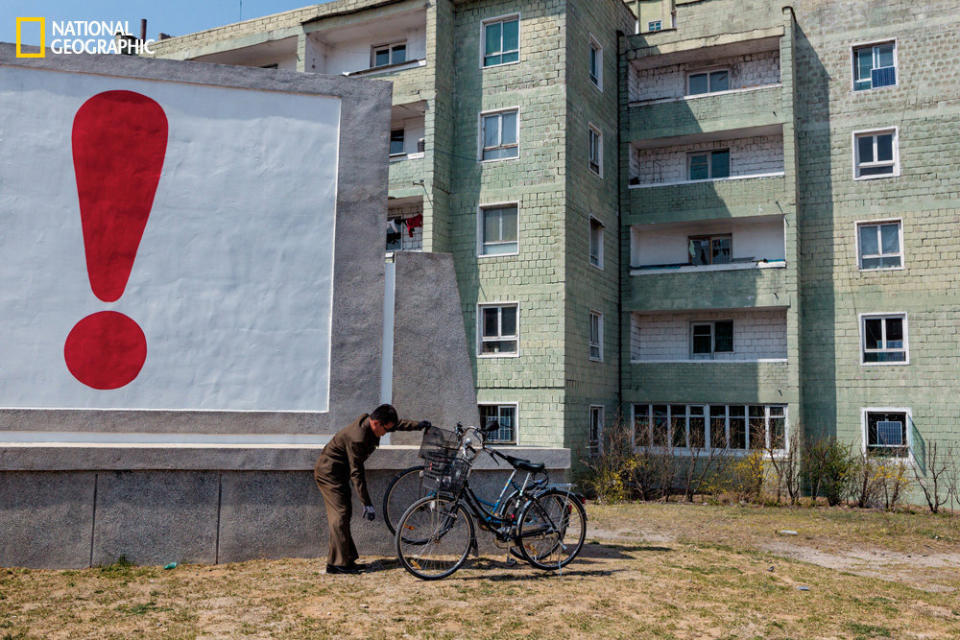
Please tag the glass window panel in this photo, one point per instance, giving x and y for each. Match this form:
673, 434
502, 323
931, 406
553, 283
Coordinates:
701, 338
699, 167
872, 333
719, 81
381, 57
699, 250
641, 425
508, 321
594, 328
396, 142
698, 84
492, 38
777, 432
508, 224
876, 171
490, 324
678, 425
890, 238
723, 339
718, 426
865, 149
875, 263
509, 57
659, 425
721, 250
511, 35
697, 429
885, 55
888, 262
738, 428
758, 428
594, 63
894, 333
864, 64
491, 130
868, 241
491, 60
720, 164
399, 53
885, 147
509, 124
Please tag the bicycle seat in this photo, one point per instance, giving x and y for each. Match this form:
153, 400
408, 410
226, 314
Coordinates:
524, 465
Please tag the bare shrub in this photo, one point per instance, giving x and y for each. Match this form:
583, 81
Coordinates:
608, 468
894, 478
866, 481
784, 467
935, 483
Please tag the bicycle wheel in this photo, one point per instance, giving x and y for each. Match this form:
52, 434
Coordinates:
551, 529
509, 512
405, 489
433, 537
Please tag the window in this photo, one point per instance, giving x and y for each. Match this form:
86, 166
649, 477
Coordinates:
396, 142
498, 132
498, 230
874, 66
596, 427
504, 415
697, 426
710, 249
498, 330
596, 336
596, 64
596, 243
876, 154
596, 150
884, 339
709, 165
655, 25
887, 432
387, 54
708, 338
880, 246
501, 41
708, 82
405, 234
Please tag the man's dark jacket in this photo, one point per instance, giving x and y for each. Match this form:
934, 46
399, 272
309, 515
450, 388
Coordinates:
346, 452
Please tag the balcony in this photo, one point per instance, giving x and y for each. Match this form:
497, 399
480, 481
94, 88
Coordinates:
407, 144
738, 196
711, 382
706, 114
405, 224
709, 336
762, 285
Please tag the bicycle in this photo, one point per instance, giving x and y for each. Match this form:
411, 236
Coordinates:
435, 535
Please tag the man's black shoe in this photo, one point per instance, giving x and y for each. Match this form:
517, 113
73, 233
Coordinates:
351, 569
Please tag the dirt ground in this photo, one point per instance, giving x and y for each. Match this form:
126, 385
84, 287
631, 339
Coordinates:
648, 571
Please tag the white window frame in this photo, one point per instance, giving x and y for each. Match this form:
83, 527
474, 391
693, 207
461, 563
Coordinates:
709, 153
480, 337
595, 445
516, 420
650, 24
389, 46
483, 38
856, 153
599, 344
590, 223
713, 338
707, 428
878, 223
480, 136
873, 43
864, 435
698, 72
593, 129
598, 81
863, 317
480, 228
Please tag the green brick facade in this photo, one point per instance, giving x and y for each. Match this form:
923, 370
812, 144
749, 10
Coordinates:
811, 109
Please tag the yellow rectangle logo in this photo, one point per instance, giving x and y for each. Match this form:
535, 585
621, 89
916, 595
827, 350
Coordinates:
43, 38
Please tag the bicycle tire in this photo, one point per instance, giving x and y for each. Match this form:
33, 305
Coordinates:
394, 502
437, 516
551, 529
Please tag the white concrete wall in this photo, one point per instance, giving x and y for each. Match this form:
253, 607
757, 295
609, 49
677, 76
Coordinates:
751, 70
760, 237
748, 156
757, 334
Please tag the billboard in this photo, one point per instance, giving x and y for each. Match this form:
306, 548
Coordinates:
165, 245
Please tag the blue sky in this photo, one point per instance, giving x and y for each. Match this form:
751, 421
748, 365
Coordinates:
176, 17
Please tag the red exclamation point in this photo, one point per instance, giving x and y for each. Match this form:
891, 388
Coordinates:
119, 142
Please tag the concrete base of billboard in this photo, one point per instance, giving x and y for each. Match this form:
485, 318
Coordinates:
70, 519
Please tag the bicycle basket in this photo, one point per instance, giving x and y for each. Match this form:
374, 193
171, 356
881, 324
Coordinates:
443, 469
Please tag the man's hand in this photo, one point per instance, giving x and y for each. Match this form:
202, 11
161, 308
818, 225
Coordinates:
369, 513
424, 425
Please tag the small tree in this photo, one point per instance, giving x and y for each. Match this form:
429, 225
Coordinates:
827, 466
865, 481
894, 481
935, 484
785, 466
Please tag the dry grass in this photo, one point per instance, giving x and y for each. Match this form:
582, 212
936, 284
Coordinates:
651, 571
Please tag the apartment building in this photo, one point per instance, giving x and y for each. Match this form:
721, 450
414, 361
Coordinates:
720, 220
503, 152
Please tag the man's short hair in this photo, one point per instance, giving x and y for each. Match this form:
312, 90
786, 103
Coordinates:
386, 415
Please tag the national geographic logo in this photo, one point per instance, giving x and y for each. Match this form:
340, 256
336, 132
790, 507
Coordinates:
81, 36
